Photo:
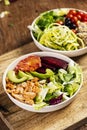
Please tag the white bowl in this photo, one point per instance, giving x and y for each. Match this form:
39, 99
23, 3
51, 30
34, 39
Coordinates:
71, 53
46, 108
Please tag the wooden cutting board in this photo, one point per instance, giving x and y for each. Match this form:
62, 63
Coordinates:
4, 124
69, 117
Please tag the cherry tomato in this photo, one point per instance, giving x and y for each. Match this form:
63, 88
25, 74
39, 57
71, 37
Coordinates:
82, 15
74, 19
79, 17
73, 12
70, 16
84, 19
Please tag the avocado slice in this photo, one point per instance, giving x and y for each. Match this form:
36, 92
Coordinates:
23, 74
48, 74
12, 77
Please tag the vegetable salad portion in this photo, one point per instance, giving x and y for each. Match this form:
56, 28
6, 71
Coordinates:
46, 81
57, 29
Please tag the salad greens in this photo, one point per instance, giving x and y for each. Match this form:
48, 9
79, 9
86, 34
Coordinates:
48, 18
65, 82
45, 20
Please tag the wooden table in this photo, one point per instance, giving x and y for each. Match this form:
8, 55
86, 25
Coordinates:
13, 35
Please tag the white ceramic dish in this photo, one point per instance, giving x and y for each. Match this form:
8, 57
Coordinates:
29, 107
72, 53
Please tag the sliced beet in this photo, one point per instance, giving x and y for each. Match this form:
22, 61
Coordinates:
41, 70
45, 65
51, 63
54, 62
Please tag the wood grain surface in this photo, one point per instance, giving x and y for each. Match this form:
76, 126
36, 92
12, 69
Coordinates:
13, 28
69, 117
4, 125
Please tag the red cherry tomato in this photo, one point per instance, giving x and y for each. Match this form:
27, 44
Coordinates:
82, 15
73, 12
84, 19
70, 15
74, 19
79, 17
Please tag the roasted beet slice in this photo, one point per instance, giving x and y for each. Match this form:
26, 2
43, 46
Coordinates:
51, 63
45, 65
41, 70
54, 62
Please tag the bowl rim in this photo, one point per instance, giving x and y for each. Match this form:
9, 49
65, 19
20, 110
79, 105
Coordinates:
14, 63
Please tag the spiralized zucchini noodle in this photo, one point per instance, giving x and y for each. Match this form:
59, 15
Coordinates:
60, 37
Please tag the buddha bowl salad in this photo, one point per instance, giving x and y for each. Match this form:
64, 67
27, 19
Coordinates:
61, 29
43, 81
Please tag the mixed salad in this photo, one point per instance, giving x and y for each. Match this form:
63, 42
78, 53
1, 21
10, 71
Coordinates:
59, 29
43, 81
